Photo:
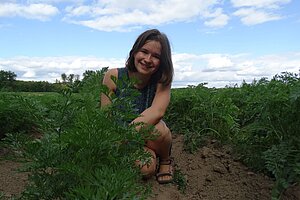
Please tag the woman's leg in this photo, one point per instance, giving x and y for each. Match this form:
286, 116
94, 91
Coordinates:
148, 170
162, 147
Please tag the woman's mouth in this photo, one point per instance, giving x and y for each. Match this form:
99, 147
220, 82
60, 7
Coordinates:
146, 66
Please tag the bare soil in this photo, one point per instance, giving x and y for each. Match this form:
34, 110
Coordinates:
211, 173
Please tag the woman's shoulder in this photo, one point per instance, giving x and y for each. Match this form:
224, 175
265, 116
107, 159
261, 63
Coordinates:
107, 79
163, 87
117, 72
112, 72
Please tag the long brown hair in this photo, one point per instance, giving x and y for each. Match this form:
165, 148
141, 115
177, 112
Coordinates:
165, 72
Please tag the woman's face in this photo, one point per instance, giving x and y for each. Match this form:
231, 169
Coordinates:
147, 59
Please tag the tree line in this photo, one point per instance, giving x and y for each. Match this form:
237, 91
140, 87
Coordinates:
9, 83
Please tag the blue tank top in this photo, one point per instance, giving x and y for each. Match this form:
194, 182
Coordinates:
146, 94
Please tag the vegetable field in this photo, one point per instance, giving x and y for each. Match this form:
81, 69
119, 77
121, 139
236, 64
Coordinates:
260, 120
74, 150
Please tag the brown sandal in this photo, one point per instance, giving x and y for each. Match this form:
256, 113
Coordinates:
170, 173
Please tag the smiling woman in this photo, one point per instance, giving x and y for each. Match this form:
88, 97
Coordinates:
150, 63
147, 60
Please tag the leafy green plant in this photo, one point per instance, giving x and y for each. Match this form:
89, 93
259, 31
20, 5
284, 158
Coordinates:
19, 114
284, 163
180, 180
83, 147
261, 120
92, 157
199, 111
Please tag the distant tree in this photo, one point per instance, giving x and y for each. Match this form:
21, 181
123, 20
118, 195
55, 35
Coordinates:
77, 81
77, 77
71, 78
7, 79
7, 76
64, 77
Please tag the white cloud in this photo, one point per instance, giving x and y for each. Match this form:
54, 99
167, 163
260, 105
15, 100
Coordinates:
217, 18
55, 1
273, 4
80, 10
8, 1
50, 68
251, 16
113, 15
127, 15
258, 11
217, 61
218, 70
29, 74
41, 12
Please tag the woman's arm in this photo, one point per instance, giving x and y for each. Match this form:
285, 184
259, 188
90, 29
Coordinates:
105, 100
156, 111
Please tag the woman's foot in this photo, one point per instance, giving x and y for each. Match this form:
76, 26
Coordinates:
166, 171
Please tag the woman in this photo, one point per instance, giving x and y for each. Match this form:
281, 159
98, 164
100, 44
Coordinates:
150, 63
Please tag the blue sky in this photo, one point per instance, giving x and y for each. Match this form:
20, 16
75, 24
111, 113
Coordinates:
215, 41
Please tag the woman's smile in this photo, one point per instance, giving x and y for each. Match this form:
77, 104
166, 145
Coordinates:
147, 59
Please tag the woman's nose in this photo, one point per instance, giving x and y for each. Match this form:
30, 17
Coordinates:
148, 57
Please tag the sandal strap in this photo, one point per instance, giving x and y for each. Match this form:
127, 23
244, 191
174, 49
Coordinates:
170, 172
166, 161
164, 174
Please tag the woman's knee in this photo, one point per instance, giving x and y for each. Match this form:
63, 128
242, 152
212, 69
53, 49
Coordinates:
147, 170
163, 131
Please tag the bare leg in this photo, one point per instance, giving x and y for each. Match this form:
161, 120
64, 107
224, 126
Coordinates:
148, 170
162, 147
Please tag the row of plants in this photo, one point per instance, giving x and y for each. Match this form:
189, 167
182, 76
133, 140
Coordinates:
78, 151
82, 147
261, 120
